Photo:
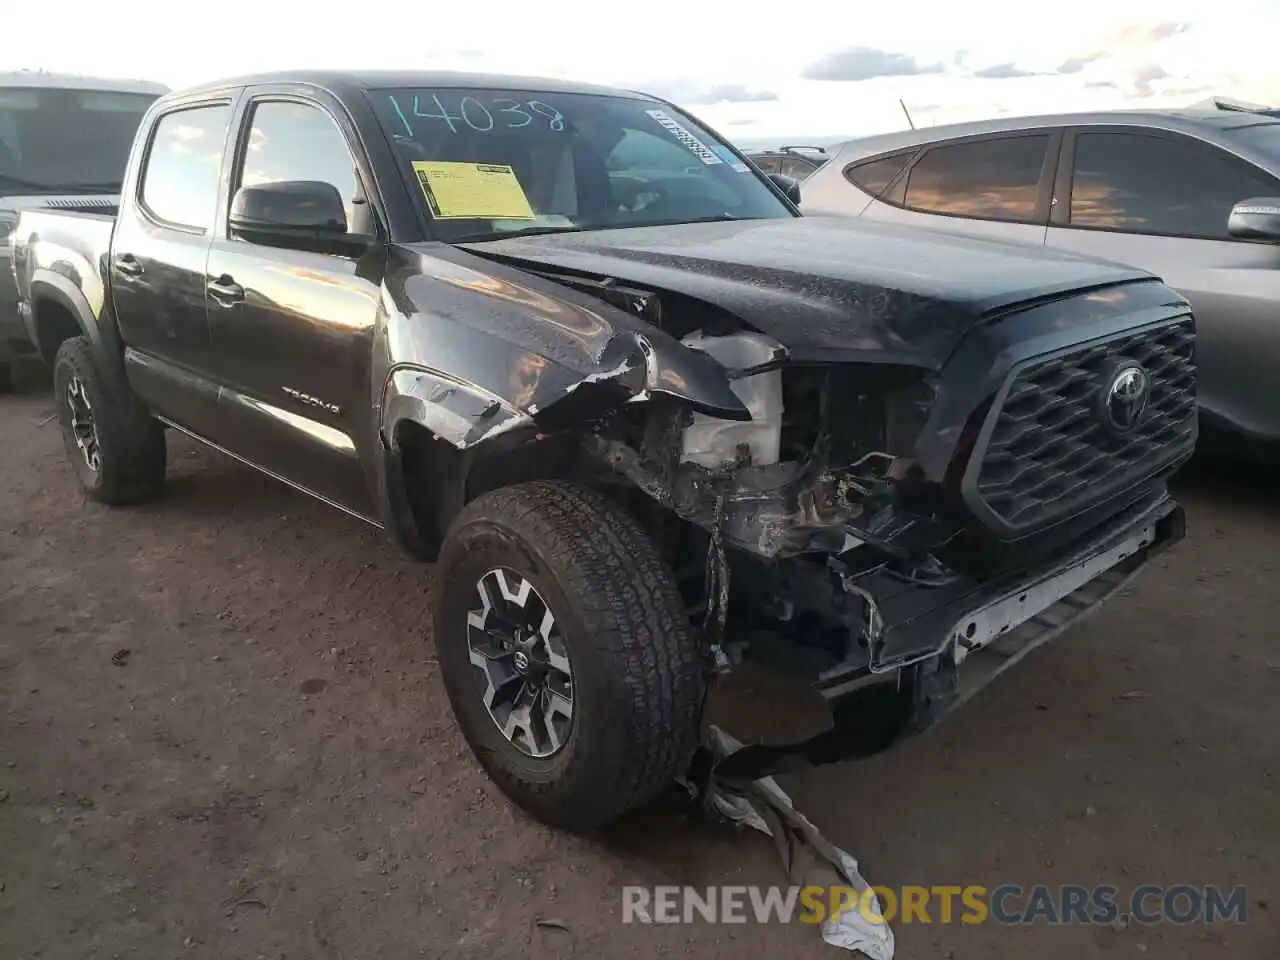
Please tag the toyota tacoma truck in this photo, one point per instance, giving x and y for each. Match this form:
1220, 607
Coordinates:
650, 423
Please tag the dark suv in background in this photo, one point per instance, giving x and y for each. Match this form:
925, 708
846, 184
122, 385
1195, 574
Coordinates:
798, 163
64, 141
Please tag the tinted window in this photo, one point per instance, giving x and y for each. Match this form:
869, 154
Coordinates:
180, 184
799, 167
495, 162
643, 158
990, 179
297, 141
1141, 184
873, 176
66, 141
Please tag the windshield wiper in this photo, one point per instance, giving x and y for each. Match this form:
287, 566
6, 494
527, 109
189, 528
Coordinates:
591, 227
531, 231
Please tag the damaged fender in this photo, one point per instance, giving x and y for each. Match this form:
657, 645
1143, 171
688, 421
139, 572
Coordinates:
521, 349
474, 355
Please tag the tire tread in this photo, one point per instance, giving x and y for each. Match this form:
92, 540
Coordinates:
627, 599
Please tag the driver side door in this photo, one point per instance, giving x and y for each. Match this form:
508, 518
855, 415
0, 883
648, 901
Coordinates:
293, 329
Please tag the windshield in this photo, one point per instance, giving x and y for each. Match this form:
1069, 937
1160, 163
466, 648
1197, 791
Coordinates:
66, 141
1264, 137
493, 163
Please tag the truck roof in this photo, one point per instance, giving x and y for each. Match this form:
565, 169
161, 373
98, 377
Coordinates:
75, 81
347, 82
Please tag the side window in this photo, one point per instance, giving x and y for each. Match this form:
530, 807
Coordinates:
769, 164
643, 153
298, 141
874, 176
180, 182
996, 179
1142, 184
798, 168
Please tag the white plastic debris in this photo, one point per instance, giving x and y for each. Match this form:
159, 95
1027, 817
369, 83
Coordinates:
808, 857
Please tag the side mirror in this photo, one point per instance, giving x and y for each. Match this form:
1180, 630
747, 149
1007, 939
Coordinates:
1256, 219
788, 185
307, 214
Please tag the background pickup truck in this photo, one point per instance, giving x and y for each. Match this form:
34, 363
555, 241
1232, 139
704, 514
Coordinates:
650, 421
64, 141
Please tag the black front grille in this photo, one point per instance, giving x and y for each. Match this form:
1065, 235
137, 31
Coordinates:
1050, 453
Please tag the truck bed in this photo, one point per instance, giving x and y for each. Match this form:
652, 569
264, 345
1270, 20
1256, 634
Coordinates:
64, 249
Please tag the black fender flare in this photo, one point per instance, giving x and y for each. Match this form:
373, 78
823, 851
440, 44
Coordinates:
457, 417
48, 286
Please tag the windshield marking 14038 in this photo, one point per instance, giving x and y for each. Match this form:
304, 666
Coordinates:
581, 162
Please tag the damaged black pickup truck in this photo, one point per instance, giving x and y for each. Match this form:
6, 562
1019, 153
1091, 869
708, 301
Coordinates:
650, 421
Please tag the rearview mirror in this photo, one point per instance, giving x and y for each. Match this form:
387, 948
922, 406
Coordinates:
789, 185
307, 214
1256, 219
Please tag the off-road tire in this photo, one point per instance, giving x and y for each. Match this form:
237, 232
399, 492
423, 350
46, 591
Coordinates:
131, 445
637, 677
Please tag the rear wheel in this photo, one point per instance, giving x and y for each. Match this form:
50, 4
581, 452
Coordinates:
566, 653
118, 453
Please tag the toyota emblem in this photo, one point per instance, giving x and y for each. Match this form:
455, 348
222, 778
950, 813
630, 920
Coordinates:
1125, 398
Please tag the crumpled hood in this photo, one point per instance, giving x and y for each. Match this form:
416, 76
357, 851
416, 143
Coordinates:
826, 288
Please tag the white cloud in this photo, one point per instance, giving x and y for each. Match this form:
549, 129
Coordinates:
958, 61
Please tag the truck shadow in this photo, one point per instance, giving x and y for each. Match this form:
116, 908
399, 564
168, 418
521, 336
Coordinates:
1235, 480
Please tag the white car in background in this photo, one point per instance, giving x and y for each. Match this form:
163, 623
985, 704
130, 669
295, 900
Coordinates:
64, 141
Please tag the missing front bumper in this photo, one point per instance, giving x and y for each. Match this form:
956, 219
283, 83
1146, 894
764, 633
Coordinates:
973, 639
916, 624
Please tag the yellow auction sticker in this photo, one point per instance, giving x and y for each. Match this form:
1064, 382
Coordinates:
468, 191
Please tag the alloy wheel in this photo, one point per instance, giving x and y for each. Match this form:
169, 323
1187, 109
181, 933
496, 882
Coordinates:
521, 663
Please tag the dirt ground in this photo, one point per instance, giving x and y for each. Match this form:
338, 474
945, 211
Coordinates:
271, 770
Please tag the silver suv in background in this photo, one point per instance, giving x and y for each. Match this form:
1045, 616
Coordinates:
64, 141
1190, 195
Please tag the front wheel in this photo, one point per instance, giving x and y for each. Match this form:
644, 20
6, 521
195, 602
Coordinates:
566, 653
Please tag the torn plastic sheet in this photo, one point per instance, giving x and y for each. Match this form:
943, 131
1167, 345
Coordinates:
808, 857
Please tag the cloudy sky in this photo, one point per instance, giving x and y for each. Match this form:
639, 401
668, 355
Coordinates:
822, 68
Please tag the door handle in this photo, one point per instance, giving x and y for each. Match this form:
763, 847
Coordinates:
128, 264
225, 290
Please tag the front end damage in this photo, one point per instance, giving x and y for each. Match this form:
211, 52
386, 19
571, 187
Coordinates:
899, 536
893, 525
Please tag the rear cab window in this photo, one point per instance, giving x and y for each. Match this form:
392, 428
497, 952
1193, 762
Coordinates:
992, 179
179, 185
489, 163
